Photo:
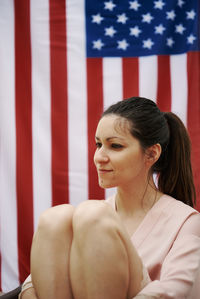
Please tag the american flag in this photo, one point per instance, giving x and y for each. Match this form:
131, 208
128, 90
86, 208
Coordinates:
61, 63
138, 28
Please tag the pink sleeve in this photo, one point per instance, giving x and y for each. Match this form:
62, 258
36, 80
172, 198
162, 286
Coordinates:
181, 267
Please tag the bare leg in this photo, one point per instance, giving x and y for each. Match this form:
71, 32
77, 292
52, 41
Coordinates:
50, 254
103, 262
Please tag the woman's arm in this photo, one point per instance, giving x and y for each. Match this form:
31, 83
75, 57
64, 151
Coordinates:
28, 294
179, 270
28, 291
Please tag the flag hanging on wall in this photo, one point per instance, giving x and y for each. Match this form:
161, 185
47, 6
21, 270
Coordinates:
61, 63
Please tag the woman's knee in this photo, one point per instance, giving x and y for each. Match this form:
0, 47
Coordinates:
56, 218
93, 214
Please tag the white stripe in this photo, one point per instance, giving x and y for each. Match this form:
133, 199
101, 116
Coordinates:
77, 101
178, 65
112, 89
148, 77
41, 107
112, 81
8, 209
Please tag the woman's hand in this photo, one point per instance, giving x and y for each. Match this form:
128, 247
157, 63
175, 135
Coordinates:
29, 294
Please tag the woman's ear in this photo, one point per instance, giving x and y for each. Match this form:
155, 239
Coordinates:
153, 154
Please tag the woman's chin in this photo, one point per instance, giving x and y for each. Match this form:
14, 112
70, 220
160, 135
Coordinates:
105, 185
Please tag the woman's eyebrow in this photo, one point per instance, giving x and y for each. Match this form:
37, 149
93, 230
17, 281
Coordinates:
114, 137
109, 138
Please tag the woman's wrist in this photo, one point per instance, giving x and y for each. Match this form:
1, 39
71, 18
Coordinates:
26, 285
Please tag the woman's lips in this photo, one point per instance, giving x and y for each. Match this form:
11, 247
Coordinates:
104, 170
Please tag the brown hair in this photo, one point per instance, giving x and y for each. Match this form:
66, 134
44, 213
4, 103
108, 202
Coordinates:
177, 177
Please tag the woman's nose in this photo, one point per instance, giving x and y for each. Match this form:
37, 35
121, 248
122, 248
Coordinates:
100, 155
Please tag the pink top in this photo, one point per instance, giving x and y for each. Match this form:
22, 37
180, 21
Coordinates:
168, 241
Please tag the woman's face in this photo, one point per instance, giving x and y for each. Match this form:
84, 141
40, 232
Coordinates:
119, 158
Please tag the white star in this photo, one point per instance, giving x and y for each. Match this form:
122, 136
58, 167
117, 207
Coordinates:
159, 29
148, 43
135, 31
134, 5
122, 44
97, 19
110, 31
171, 15
147, 18
179, 28
191, 38
122, 18
191, 14
170, 42
97, 44
109, 5
180, 3
159, 4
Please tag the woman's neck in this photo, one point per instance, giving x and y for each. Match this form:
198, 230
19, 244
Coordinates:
136, 199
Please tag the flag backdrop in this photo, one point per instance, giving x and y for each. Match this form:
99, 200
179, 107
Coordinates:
61, 63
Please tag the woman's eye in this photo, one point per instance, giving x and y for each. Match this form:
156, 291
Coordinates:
116, 145
98, 144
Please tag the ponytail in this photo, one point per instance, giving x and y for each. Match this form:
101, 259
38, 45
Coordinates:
176, 178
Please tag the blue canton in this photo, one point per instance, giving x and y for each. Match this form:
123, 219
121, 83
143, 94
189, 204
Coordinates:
121, 28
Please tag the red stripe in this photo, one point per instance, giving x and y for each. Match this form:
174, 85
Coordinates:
23, 103
95, 107
130, 69
193, 119
164, 83
59, 107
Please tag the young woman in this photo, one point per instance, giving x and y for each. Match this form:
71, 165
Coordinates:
144, 242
